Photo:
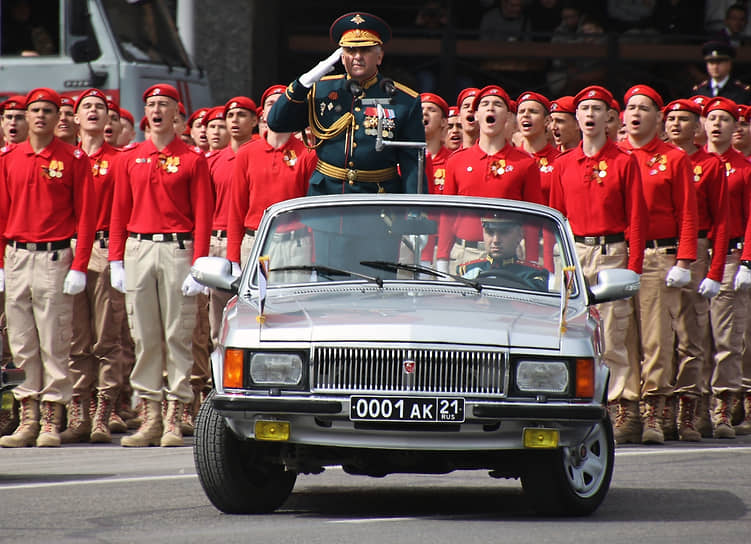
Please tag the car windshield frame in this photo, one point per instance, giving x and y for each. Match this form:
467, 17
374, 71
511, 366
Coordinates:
421, 208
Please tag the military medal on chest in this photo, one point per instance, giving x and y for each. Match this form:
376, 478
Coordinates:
439, 178
54, 169
697, 173
169, 164
729, 169
658, 163
499, 167
545, 166
290, 158
100, 167
600, 172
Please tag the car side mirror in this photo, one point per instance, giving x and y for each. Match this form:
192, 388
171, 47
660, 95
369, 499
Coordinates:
614, 284
215, 272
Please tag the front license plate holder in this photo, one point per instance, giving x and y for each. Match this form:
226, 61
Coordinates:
406, 409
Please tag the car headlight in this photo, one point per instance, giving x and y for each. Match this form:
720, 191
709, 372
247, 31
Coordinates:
276, 368
542, 376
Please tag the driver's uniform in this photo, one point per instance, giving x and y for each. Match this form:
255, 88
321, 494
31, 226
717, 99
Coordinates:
527, 272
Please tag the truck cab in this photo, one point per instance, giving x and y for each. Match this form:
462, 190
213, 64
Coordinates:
119, 46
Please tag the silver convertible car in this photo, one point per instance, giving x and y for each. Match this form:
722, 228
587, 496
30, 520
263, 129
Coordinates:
409, 334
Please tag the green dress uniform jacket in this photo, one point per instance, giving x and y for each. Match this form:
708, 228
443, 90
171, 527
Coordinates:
345, 128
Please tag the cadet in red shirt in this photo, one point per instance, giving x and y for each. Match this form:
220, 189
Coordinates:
46, 197
161, 222
692, 324
453, 130
728, 311
66, 128
598, 187
15, 127
492, 168
435, 112
563, 123
465, 103
99, 311
216, 129
533, 118
268, 170
671, 246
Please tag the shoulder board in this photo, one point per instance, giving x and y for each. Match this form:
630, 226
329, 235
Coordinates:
476, 261
530, 264
77, 153
406, 90
699, 85
335, 76
130, 146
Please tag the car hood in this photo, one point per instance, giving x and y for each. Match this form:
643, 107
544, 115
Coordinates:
403, 315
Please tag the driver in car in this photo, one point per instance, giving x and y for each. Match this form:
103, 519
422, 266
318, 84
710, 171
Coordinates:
501, 237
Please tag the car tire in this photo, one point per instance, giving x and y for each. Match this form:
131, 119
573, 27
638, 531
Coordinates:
572, 481
236, 474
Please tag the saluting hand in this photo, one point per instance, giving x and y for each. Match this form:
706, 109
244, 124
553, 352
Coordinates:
320, 69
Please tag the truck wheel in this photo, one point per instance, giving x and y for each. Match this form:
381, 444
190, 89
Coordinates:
572, 481
236, 474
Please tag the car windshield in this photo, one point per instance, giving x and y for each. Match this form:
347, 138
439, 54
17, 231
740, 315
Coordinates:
473, 247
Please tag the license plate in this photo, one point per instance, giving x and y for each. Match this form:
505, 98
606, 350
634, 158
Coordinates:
415, 409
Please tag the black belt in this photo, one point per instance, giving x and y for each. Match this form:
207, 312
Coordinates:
600, 240
291, 235
735, 243
102, 235
703, 233
219, 233
662, 242
250, 232
162, 236
474, 244
41, 246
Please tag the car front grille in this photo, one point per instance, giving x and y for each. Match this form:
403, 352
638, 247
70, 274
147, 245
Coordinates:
377, 370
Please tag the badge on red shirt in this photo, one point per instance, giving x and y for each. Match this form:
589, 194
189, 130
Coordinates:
54, 169
100, 167
290, 158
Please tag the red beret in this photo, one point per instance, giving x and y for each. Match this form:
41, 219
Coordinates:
240, 102
112, 106
512, 105
701, 100
144, 124
437, 100
744, 113
43, 94
67, 101
181, 109
721, 103
593, 92
274, 89
453, 111
162, 89
125, 114
564, 104
537, 97
16, 102
197, 115
644, 90
466, 93
217, 112
90, 92
492, 90
614, 105
683, 104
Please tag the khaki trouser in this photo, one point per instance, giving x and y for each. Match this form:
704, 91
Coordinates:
245, 247
659, 306
161, 318
98, 315
217, 299
727, 316
39, 321
200, 375
746, 382
616, 317
290, 249
692, 327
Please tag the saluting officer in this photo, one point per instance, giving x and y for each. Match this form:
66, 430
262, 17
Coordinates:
342, 113
161, 222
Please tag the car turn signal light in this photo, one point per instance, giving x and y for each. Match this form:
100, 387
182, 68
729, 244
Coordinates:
585, 378
233, 369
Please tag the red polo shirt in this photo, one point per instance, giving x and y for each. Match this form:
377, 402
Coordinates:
602, 195
669, 193
103, 162
510, 173
161, 192
221, 169
264, 176
47, 196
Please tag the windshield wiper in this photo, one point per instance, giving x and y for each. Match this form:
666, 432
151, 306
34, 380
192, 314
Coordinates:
392, 267
329, 272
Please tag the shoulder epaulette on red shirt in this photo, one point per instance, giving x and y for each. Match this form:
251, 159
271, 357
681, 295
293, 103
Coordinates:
77, 153
130, 146
195, 149
5, 149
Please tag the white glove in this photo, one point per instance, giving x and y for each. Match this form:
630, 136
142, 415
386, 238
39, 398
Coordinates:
442, 265
742, 278
2, 280
75, 282
709, 288
191, 287
117, 275
678, 277
320, 69
236, 270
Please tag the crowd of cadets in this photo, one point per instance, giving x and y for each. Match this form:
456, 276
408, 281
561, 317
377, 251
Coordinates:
100, 304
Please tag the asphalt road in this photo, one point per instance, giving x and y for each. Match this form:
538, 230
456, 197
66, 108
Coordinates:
674, 493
